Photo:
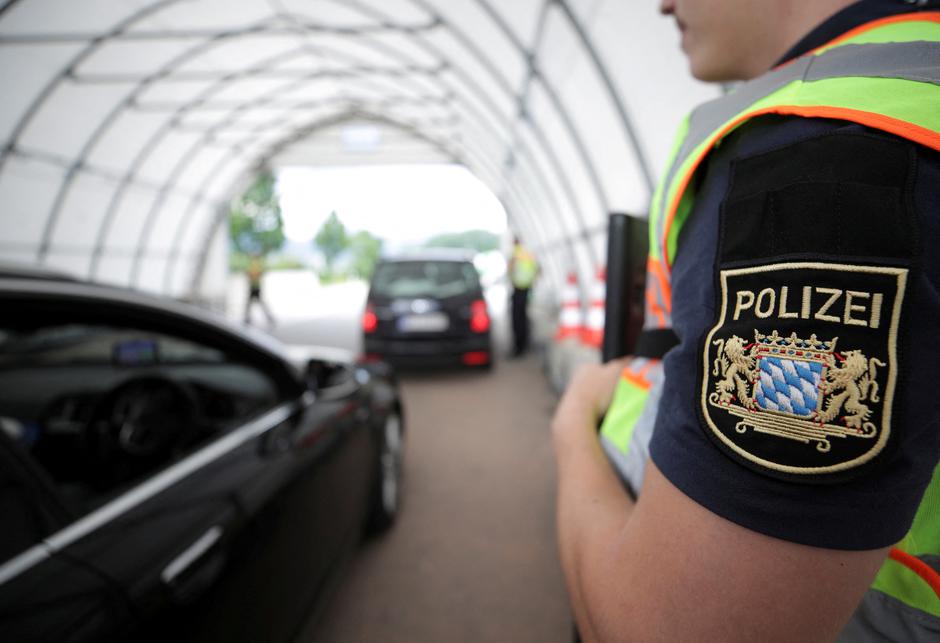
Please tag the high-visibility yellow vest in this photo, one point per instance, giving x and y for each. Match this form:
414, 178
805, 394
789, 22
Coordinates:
255, 270
524, 267
879, 75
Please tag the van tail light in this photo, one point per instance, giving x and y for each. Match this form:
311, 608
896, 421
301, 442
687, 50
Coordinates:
369, 321
479, 318
476, 358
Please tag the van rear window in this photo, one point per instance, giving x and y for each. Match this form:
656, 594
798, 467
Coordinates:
437, 279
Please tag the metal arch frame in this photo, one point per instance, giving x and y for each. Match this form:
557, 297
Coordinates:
7, 6
114, 32
144, 152
353, 106
105, 125
307, 104
182, 162
79, 250
564, 182
93, 43
554, 99
510, 164
522, 172
612, 92
513, 191
513, 166
412, 130
373, 116
474, 51
527, 169
546, 149
548, 195
266, 127
501, 81
142, 84
207, 76
184, 159
40, 98
436, 53
182, 34
211, 229
184, 221
508, 191
261, 159
63, 162
141, 155
213, 172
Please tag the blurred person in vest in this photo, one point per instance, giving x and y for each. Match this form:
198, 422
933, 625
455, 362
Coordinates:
523, 270
767, 464
255, 273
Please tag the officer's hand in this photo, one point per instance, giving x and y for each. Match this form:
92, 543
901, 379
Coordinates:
585, 400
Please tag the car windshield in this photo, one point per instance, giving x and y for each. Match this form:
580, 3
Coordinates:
59, 345
437, 279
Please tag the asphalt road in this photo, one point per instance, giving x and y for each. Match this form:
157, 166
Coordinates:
473, 556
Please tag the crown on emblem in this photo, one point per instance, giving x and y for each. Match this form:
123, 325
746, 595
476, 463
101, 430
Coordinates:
776, 340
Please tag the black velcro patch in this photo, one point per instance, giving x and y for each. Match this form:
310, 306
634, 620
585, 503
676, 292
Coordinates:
841, 194
799, 371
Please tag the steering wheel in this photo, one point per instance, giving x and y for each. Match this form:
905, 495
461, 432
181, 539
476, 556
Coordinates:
138, 425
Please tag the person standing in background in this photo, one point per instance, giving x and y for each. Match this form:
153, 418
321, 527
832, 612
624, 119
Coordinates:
523, 270
255, 273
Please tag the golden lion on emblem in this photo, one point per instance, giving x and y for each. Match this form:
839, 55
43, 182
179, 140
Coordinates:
848, 385
737, 368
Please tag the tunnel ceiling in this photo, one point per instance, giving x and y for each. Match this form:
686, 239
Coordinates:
129, 124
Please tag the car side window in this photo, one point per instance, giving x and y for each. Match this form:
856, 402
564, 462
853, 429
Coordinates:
97, 408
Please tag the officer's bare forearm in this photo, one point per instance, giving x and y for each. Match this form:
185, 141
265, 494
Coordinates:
592, 505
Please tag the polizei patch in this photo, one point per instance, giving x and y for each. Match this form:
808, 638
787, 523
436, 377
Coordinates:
800, 371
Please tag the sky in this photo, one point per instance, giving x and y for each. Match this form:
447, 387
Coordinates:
403, 204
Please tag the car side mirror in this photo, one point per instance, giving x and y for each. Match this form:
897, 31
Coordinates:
322, 375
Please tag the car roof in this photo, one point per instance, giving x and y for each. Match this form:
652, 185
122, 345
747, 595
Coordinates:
37, 282
433, 254
10, 270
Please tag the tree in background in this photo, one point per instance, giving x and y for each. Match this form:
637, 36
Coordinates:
332, 240
479, 240
255, 224
365, 249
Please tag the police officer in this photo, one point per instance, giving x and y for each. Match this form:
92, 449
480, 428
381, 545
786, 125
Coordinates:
523, 269
779, 426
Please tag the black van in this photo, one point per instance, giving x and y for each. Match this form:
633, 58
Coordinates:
426, 310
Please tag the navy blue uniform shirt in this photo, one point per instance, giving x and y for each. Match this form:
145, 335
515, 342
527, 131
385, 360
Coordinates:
791, 189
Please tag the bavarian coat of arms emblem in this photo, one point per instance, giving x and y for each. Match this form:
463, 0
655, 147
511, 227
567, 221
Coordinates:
814, 400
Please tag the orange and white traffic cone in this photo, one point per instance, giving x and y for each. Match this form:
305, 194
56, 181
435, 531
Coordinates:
593, 332
570, 318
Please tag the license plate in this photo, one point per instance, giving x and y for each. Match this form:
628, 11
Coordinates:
427, 323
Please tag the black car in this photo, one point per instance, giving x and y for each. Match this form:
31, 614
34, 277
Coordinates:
166, 475
427, 310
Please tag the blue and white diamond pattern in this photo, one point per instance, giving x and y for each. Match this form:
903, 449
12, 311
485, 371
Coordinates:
788, 385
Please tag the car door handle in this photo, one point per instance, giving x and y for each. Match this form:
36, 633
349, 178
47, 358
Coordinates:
191, 555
